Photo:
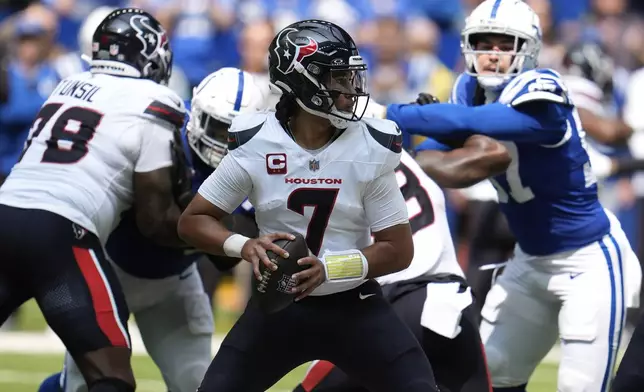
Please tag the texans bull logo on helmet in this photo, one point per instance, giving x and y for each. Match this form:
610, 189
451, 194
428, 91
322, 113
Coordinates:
295, 51
151, 39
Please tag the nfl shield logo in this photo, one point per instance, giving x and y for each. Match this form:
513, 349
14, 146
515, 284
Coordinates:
285, 284
314, 165
114, 49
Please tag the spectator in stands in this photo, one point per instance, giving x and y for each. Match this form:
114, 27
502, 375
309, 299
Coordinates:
8, 8
27, 78
448, 16
30, 79
253, 46
613, 24
72, 13
202, 33
389, 65
553, 50
425, 71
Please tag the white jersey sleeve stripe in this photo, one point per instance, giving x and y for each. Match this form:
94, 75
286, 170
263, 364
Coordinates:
538, 96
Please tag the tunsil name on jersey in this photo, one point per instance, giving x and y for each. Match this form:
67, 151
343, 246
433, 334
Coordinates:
77, 89
313, 181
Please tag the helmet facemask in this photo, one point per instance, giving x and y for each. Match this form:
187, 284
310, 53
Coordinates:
522, 49
207, 137
335, 86
338, 93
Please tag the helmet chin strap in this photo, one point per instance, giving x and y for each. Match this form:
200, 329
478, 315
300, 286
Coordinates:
493, 82
334, 120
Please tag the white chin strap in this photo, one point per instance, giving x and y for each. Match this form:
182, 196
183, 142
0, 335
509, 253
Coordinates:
493, 82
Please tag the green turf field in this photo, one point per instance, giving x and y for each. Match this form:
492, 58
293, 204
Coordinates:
24, 372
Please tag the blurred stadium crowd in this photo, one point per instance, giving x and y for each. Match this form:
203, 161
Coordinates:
411, 46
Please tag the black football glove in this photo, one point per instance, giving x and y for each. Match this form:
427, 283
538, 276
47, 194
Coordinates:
426, 99
181, 173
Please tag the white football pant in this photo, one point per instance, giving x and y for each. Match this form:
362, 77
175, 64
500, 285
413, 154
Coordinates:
578, 296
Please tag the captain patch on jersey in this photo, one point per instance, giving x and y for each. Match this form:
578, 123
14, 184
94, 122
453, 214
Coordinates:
286, 182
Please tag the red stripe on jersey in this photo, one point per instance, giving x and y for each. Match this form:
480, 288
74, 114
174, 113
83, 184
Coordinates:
165, 112
487, 369
99, 289
316, 374
175, 119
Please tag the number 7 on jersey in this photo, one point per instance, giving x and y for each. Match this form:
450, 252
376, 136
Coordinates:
322, 200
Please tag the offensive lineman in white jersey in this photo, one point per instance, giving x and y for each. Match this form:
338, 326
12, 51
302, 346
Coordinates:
101, 142
431, 295
162, 285
588, 72
314, 151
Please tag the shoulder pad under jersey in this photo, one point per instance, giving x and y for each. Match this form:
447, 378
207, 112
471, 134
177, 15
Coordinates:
463, 90
533, 86
244, 127
386, 142
165, 105
385, 132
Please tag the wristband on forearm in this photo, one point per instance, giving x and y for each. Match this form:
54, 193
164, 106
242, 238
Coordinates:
234, 244
345, 266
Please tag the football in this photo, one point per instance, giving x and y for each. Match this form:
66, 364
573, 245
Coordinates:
273, 292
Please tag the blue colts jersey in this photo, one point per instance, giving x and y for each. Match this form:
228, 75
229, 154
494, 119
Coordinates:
549, 193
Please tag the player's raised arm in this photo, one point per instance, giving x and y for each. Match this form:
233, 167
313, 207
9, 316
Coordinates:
526, 123
532, 107
479, 158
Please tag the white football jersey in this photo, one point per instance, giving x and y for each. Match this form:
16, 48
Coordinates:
88, 139
586, 94
335, 196
433, 247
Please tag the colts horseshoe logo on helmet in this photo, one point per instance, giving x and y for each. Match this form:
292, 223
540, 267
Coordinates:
293, 50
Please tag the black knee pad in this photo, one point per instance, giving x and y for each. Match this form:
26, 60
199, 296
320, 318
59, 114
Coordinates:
110, 385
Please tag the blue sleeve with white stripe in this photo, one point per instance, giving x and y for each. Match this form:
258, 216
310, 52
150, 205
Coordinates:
541, 85
540, 123
533, 107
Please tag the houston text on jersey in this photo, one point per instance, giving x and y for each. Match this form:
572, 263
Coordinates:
313, 181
